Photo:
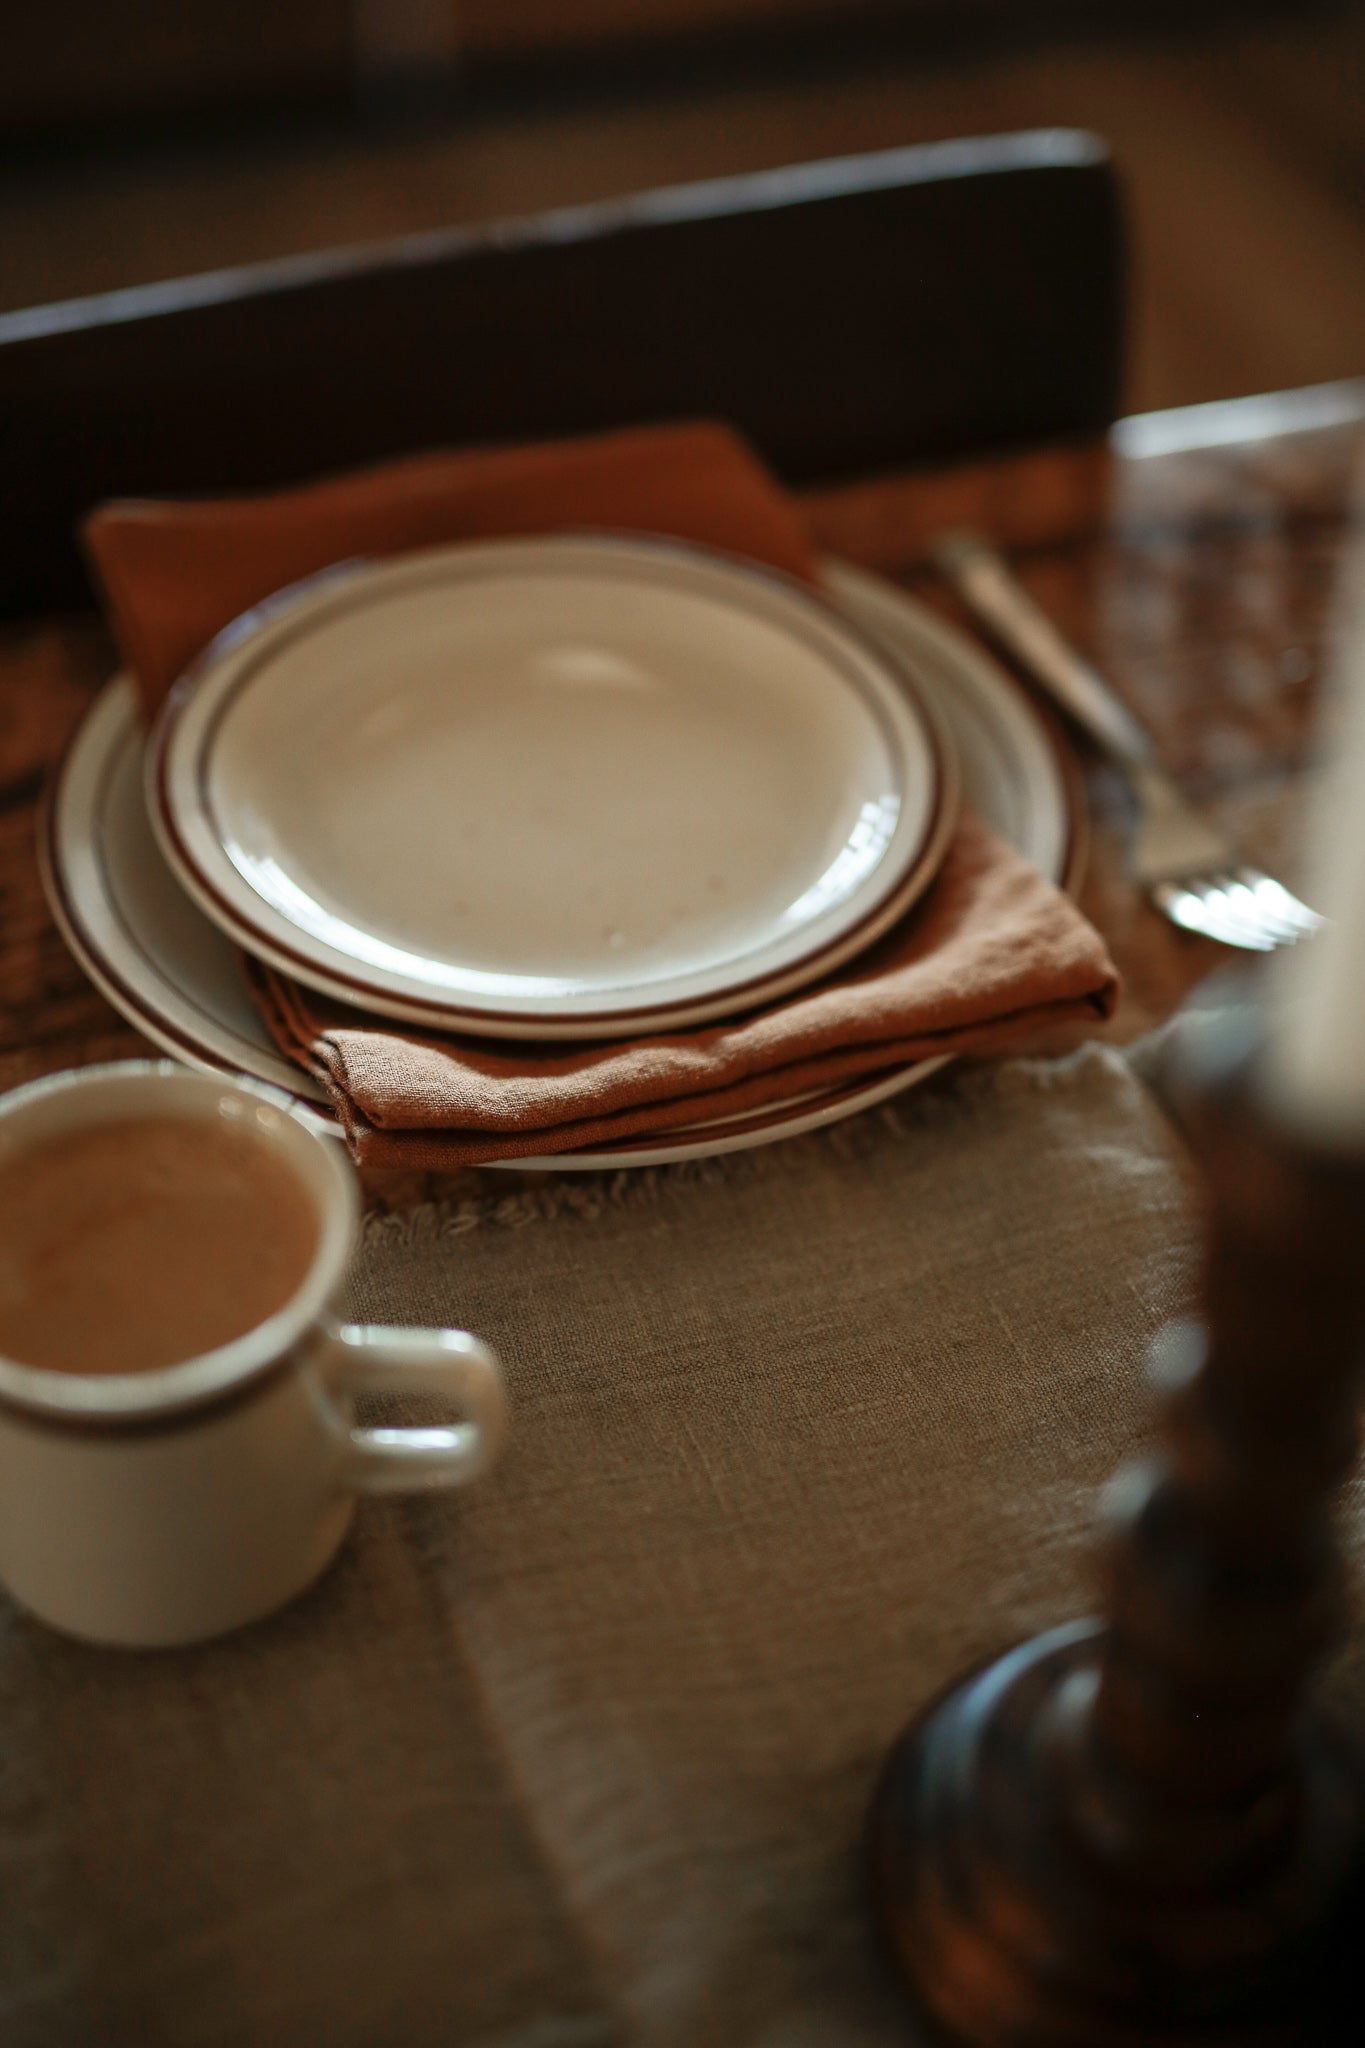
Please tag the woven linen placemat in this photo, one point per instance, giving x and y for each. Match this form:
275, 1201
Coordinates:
585, 1753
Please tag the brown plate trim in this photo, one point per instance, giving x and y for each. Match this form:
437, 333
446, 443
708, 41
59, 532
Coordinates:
176, 1417
129, 1001
443, 1016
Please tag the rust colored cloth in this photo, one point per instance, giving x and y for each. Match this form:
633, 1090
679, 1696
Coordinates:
993, 956
174, 573
996, 955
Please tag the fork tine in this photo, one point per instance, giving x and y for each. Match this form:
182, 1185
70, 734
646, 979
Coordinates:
1244, 908
1232, 907
1202, 906
1185, 907
1259, 907
1280, 902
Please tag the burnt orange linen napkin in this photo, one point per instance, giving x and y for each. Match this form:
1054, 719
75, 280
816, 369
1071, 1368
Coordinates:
994, 955
174, 573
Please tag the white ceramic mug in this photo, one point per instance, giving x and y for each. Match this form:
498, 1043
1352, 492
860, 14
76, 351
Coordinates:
166, 1506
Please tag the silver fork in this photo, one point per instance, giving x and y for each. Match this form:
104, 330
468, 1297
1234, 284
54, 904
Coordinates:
1190, 869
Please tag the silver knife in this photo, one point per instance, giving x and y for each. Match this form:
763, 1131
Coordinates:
1007, 611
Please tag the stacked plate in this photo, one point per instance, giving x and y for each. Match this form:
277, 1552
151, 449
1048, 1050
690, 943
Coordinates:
581, 789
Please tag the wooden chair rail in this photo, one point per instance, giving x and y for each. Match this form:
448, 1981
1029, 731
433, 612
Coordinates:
850, 316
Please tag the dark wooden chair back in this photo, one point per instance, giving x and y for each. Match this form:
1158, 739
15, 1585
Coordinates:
850, 317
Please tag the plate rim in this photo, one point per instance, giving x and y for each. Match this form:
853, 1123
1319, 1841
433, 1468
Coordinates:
546, 1019
132, 1004
957, 646
769, 1123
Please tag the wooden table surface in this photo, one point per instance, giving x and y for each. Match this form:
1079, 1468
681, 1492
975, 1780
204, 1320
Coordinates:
1193, 559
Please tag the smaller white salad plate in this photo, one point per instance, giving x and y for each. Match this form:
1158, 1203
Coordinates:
174, 975
571, 788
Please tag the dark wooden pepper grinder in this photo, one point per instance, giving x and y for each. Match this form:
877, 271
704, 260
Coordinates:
1141, 1830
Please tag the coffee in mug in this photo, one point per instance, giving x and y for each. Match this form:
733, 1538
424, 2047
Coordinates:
178, 1446
135, 1244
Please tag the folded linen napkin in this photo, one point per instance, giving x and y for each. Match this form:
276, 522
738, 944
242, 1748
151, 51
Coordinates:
174, 572
996, 955
991, 956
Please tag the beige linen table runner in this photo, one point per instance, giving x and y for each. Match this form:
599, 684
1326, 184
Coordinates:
584, 1754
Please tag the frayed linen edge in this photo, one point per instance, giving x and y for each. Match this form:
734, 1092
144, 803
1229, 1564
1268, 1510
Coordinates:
936, 1104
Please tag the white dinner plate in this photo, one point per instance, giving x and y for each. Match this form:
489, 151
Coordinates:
173, 974
545, 789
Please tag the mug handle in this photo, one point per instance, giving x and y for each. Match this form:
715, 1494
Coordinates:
374, 1358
